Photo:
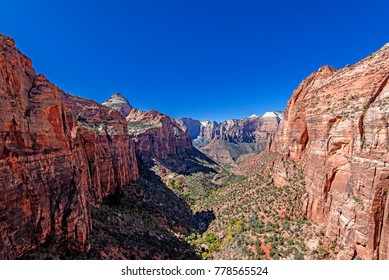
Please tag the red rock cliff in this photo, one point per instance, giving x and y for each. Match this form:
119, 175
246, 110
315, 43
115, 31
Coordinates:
227, 141
157, 135
337, 128
59, 154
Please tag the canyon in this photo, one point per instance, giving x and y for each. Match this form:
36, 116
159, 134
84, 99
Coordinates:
155, 135
227, 141
83, 180
61, 155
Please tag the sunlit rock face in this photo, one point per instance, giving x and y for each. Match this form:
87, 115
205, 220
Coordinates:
119, 103
227, 141
336, 127
59, 154
155, 135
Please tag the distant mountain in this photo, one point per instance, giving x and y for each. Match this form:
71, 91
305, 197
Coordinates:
228, 140
194, 126
155, 135
82, 180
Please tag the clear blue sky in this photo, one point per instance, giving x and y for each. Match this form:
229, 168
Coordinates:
200, 58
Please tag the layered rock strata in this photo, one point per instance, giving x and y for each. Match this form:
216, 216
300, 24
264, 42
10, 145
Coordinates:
336, 128
157, 135
228, 140
59, 155
120, 103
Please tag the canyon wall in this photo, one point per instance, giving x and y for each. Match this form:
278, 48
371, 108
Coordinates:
336, 128
194, 127
59, 155
227, 141
157, 135
246, 130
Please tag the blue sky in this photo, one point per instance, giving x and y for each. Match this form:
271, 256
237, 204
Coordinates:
203, 59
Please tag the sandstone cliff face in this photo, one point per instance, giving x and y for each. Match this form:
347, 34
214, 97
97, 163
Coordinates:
157, 135
194, 127
59, 154
238, 130
336, 128
227, 141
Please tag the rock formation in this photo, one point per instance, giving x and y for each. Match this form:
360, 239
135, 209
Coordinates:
336, 129
59, 154
119, 103
194, 127
155, 134
228, 140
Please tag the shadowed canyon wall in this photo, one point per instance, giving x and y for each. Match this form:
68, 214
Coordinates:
59, 154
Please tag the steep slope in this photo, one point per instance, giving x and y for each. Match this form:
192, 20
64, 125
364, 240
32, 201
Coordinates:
59, 155
142, 220
336, 128
155, 135
194, 127
257, 220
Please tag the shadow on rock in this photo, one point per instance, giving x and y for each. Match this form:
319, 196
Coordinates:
204, 219
192, 161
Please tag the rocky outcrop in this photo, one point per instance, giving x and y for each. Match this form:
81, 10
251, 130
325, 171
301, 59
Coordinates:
119, 103
59, 155
336, 128
228, 140
194, 127
157, 135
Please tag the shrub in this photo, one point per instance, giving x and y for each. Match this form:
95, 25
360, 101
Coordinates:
298, 256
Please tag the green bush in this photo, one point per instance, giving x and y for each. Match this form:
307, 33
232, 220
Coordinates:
298, 256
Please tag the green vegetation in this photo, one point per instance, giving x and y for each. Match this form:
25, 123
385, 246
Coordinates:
366, 107
253, 219
234, 150
257, 220
194, 188
137, 127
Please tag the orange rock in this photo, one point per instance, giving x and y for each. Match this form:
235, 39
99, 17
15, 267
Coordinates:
336, 129
157, 135
59, 154
229, 140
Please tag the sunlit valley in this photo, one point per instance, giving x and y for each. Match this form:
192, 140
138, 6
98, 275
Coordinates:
84, 180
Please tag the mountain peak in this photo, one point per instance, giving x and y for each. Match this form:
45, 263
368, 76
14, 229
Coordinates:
118, 102
117, 95
274, 114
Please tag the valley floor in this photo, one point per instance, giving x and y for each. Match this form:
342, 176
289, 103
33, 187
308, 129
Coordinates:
192, 208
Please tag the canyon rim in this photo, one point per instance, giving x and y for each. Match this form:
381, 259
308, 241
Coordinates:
83, 180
